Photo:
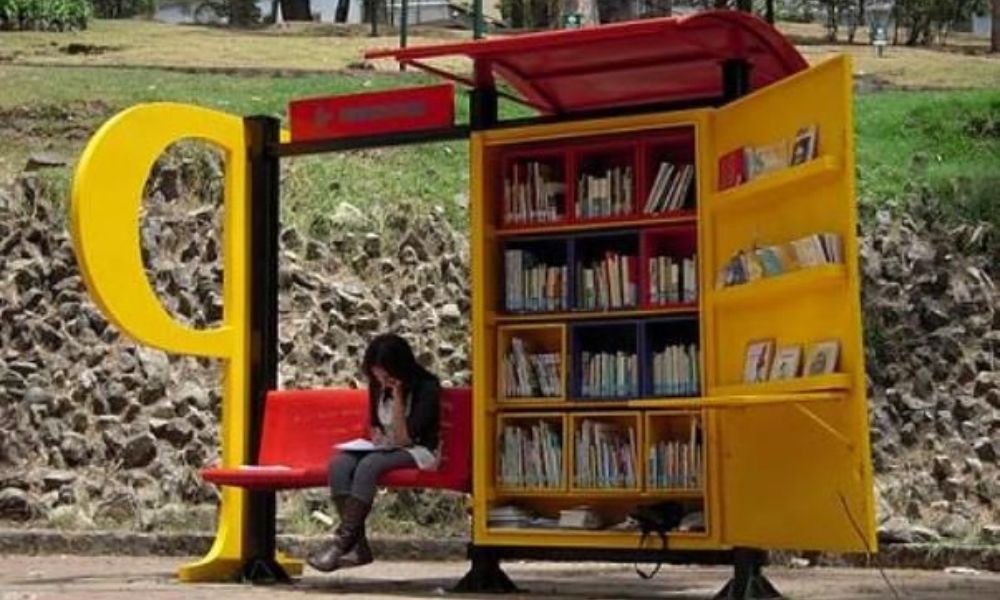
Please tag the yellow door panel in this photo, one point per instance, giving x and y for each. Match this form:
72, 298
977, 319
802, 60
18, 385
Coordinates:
794, 475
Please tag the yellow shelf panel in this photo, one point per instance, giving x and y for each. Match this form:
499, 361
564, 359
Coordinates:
815, 383
598, 314
550, 401
772, 188
530, 492
677, 218
631, 536
606, 492
679, 494
791, 284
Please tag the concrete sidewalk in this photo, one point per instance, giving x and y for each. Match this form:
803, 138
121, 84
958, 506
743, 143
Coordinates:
151, 578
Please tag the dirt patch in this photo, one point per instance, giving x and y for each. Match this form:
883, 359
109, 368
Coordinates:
75, 49
72, 121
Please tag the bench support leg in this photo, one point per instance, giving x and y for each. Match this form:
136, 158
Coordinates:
263, 571
748, 582
485, 575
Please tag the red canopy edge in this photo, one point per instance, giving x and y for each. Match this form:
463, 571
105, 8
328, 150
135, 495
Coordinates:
636, 62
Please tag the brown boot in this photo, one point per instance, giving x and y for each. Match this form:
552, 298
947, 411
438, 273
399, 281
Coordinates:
353, 513
361, 554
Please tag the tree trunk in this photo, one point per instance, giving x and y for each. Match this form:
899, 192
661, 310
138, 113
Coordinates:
769, 11
296, 10
745, 5
241, 13
720, 4
995, 30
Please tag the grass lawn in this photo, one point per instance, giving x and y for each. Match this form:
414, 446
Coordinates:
937, 138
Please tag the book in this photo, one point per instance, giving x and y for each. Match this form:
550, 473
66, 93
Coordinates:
605, 455
364, 445
786, 362
677, 462
530, 455
265, 468
805, 145
731, 169
533, 193
757, 364
821, 357
769, 261
580, 517
766, 159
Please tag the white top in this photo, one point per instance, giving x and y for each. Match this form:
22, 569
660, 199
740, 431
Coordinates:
425, 459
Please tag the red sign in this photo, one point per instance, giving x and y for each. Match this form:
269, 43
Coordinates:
372, 113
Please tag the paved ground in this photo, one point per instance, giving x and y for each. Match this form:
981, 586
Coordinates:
113, 578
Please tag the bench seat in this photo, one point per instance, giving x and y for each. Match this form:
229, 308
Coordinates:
301, 428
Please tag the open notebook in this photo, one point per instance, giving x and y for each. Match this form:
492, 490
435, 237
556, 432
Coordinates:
364, 445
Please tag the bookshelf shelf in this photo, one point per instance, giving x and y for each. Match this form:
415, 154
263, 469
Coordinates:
632, 221
792, 284
675, 309
774, 187
816, 383
627, 537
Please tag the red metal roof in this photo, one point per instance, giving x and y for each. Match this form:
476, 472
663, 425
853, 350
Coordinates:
637, 62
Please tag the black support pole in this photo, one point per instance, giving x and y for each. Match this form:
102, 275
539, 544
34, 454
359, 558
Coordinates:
483, 108
735, 79
263, 133
749, 582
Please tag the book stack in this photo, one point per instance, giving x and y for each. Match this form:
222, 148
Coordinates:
580, 517
533, 194
531, 456
670, 188
768, 261
605, 455
508, 516
605, 195
533, 285
675, 371
607, 283
678, 463
672, 280
609, 375
528, 375
750, 162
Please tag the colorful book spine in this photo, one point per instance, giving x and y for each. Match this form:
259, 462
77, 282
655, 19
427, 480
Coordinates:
605, 456
534, 286
609, 283
672, 280
529, 374
671, 188
533, 193
609, 375
678, 463
607, 194
531, 456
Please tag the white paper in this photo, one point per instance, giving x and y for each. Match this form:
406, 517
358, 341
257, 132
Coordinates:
362, 445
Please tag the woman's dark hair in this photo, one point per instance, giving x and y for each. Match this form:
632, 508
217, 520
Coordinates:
392, 353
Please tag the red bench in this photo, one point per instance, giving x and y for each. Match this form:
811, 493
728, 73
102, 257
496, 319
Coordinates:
301, 427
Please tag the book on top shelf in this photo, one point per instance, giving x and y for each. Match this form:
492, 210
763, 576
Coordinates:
670, 189
608, 194
528, 374
605, 455
533, 193
678, 464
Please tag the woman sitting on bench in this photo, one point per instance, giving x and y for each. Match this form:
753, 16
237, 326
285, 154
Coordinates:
404, 409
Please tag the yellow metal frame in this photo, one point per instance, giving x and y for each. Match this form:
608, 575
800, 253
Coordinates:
104, 225
762, 440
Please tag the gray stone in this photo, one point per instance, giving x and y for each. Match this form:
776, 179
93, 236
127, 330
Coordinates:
450, 314
942, 467
923, 534
955, 526
139, 451
990, 534
16, 505
986, 449
74, 448
176, 431
895, 531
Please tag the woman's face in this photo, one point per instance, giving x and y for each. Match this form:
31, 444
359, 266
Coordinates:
383, 377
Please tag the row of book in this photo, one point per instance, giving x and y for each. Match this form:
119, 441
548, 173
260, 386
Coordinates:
675, 371
678, 463
584, 517
672, 280
606, 195
607, 283
768, 261
609, 375
605, 455
534, 193
532, 285
750, 162
670, 189
531, 456
531, 375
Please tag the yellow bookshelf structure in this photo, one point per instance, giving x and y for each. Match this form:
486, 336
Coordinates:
785, 463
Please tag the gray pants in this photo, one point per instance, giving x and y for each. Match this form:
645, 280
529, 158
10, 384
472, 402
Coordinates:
357, 473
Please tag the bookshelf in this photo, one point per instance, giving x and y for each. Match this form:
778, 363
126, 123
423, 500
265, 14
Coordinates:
650, 348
